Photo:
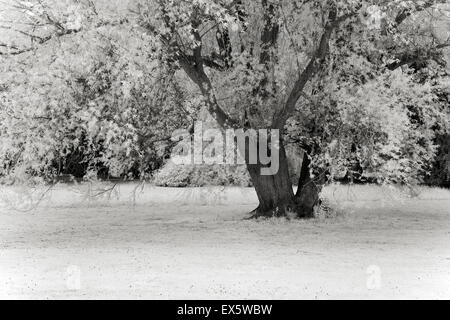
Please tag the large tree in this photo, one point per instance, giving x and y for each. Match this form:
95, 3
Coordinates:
302, 67
272, 51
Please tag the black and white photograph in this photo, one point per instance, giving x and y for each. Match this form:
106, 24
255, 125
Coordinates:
224, 150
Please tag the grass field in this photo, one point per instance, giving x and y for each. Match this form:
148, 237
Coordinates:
89, 242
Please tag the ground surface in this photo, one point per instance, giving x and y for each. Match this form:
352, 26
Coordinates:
164, 243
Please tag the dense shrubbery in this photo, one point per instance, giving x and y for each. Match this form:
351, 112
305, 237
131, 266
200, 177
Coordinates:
103, 110
172, 175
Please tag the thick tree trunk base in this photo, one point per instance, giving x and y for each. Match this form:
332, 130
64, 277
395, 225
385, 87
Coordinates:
283, 211
275, 192
308, 199
277, 198
292, 210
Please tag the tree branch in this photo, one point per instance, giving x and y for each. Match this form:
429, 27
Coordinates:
404, 14
281, 116
58, 34
193, 66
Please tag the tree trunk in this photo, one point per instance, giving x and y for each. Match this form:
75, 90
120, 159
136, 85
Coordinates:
308, 191
275, 192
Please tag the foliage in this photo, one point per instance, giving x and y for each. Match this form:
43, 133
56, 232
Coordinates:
358, 84
99, 98
172, 175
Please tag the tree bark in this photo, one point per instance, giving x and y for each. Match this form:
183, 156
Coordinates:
307, 195
275, 192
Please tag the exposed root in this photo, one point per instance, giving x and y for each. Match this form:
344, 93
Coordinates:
290, 212
279, 212
257, 214
253, 215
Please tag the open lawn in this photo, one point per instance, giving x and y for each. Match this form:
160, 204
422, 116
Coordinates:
162, 243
